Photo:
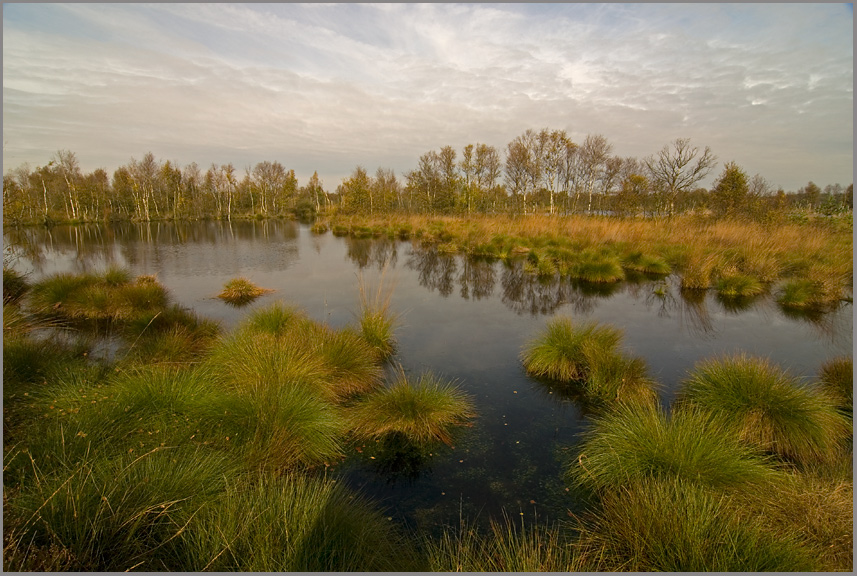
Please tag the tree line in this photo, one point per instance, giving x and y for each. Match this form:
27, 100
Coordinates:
538, 172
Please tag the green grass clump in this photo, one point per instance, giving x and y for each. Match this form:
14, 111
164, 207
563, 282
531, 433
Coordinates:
353, 367
276, 319
240, 291
424, 412
675, 525
766, 407
116, 514
562, 352
377, 323
279, 428
635, 442
506, 548
739, 286
14, 285
597, 269
616, 378
646, 263
293, 524
111, 297
802, 294
262, 363
837, 379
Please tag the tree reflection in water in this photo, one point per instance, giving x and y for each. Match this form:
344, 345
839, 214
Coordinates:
376, 253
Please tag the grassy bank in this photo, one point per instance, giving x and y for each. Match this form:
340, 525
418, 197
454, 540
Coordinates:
805, 265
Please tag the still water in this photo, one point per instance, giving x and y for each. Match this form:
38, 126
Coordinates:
464, 319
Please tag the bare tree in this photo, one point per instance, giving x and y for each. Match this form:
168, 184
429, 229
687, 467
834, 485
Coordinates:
677, 167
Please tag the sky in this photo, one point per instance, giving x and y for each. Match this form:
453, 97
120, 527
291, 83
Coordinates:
328, 87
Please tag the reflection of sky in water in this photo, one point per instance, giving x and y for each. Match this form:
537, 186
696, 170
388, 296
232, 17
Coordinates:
464, 320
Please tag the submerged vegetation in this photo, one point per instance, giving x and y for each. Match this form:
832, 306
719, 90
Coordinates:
191, 449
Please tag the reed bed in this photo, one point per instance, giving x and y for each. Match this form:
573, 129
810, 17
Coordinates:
766, 407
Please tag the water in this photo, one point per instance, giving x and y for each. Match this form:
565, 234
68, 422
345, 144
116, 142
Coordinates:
464, 319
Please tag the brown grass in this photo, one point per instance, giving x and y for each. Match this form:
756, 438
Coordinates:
700, 250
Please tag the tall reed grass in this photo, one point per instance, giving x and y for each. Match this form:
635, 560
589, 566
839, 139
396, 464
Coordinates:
120, 514
697, 249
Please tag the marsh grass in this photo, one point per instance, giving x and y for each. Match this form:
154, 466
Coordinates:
294, 523
674, 525
14, 285
276, 319
119, 514
597, 268
646, 263
241, 291
635, 442
110, 297
696, 249
425, 411
351, 361
766, 407
818, 512
837, 379
277, 429
377, 323
561, 353
506, 548
616, 378
739, 286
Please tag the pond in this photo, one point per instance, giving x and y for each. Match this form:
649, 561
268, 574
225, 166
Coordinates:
464, 319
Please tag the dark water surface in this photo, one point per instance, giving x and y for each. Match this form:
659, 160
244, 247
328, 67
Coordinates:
461, 318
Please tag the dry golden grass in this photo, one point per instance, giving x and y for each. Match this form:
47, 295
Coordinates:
699, 250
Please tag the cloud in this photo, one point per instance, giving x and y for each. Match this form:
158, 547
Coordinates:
327, 87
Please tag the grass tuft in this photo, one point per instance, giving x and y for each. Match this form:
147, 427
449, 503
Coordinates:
674, 525
240, 291
561, 353
837, 379
424, 412
739, 286
293, 524
377, 323
766, 407
631, 443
